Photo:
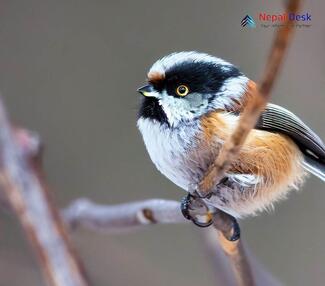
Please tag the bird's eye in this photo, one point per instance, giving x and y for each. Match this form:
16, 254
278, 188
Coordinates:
182, 90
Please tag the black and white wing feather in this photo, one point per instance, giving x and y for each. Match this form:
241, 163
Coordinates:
278, 119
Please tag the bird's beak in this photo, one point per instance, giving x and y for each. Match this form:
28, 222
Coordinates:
147, 90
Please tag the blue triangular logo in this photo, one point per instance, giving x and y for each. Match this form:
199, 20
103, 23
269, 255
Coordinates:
248, 21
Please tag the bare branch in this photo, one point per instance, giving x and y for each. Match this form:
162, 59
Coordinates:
223, 267
254, 107
230, 150
30, 145
135, 215
115, 218
27, 194
238, 260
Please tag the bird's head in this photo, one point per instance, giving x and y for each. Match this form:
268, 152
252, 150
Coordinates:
186, 85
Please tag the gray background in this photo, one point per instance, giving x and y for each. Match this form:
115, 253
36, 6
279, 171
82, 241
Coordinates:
69, 70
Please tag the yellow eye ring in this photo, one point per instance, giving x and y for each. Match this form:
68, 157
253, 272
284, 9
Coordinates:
182, 90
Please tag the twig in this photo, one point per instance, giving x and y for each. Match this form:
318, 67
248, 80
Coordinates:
27, 194
232, 146
254, 107
29, 143
222, 267
132, 216
115, 218
238, 260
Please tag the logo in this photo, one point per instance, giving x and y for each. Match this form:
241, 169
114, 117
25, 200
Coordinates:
275, 20
248, 21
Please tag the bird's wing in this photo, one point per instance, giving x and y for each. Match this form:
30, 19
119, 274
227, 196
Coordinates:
278, 119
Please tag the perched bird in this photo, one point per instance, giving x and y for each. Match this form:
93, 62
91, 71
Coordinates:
192, 103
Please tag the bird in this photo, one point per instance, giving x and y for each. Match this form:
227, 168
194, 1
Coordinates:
191, 104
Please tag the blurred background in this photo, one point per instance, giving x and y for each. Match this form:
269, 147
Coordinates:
70, 69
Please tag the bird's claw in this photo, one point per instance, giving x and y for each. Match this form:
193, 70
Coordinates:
235, 231
194, 209
227, 224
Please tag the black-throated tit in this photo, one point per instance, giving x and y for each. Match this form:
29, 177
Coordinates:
192, 104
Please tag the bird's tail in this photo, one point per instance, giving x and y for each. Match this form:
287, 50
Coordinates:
315, 167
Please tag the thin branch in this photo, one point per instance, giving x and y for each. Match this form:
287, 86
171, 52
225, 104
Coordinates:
24, 187
116, 218
223, 267
29, 143
230, 150
254, 107
238, 260
136, 215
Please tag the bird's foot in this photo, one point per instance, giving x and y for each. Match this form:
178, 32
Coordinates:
195, 209
227, 224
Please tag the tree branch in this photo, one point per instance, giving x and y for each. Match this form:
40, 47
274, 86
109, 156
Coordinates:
254, 107
24, 188
116, 218
223, 266
135, 215
230, 150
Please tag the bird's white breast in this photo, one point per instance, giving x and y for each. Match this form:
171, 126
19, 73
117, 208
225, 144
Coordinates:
169, 149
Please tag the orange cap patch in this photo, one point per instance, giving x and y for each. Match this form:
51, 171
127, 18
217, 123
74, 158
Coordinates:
155, 76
